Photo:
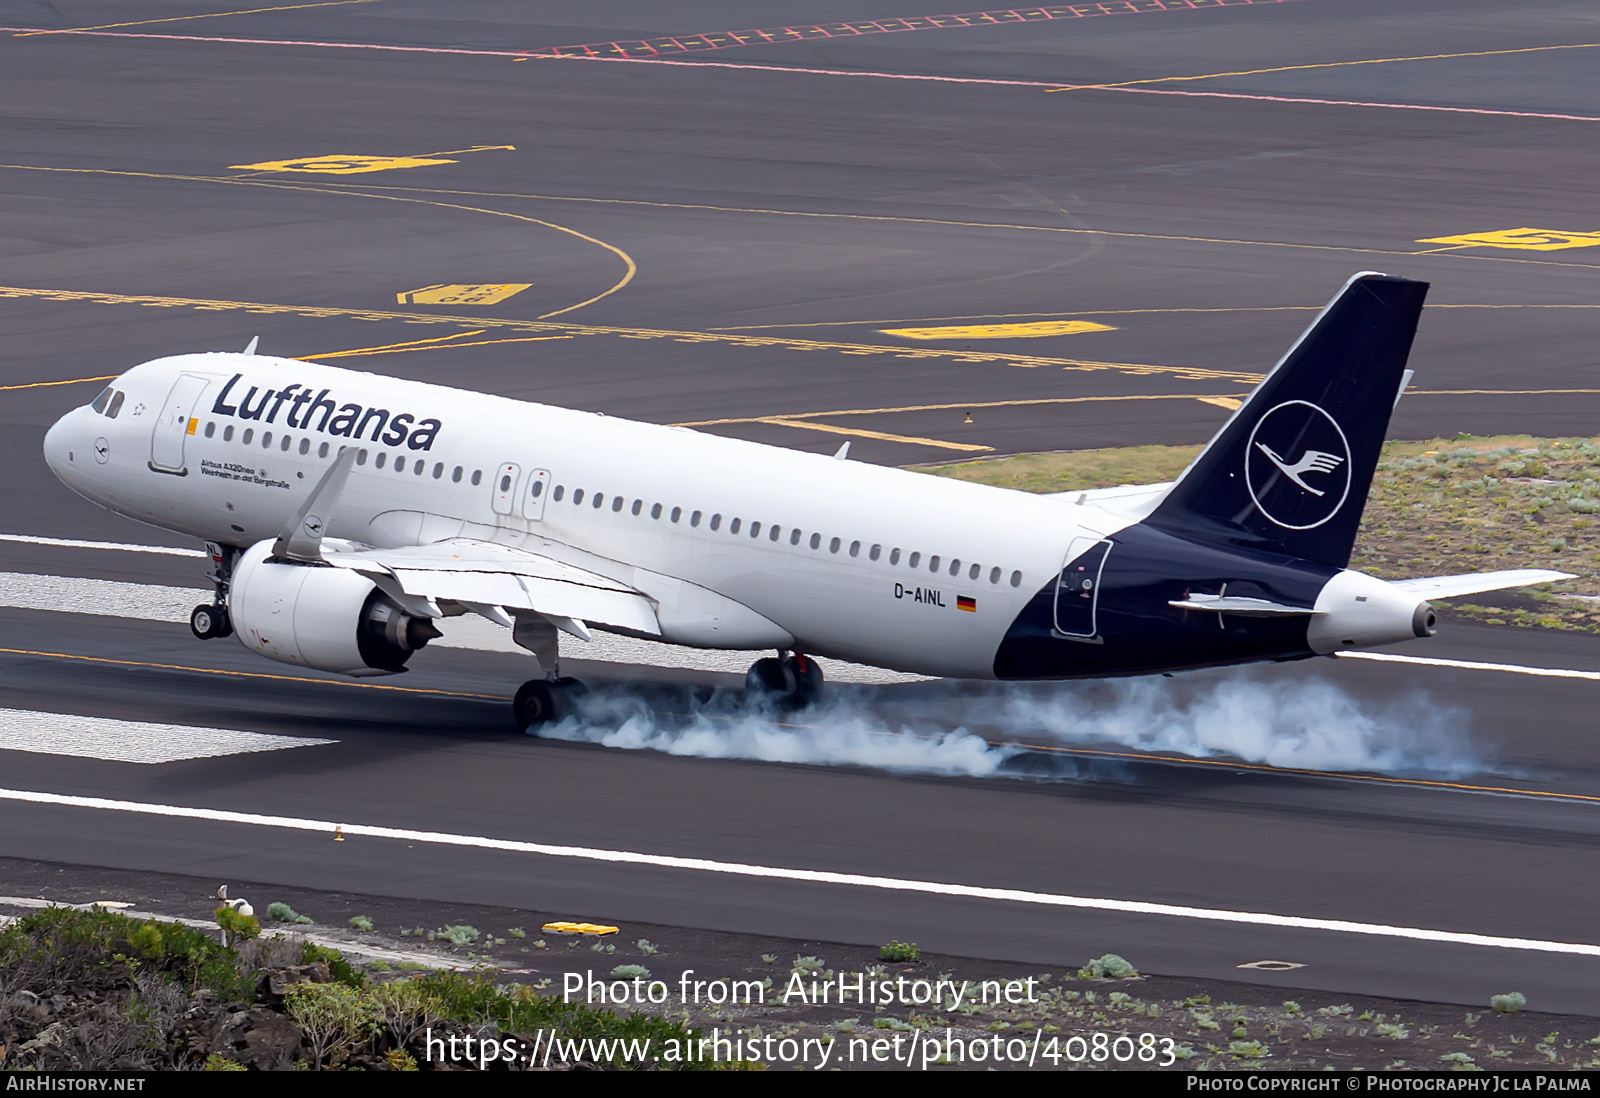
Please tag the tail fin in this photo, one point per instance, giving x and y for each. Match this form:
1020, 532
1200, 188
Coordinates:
1290, 471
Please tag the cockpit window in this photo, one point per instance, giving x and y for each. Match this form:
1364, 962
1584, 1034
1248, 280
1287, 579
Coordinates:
102, 400
116, 404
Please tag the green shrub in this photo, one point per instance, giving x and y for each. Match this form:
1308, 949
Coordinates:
1109, 966
1508, 1004
342, 970
283, 913
900, 951
630, 972
361, 922
457, 935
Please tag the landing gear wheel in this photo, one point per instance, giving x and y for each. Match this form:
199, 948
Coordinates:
209, 621
792, 682
540, 702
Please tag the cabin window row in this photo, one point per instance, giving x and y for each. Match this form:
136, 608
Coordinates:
401, 464
774, 533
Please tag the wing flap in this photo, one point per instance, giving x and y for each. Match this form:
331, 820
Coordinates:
486, 575
1472, 583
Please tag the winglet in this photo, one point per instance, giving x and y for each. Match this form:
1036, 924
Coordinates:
302, 537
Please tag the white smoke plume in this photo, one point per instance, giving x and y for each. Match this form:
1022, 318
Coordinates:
981, 730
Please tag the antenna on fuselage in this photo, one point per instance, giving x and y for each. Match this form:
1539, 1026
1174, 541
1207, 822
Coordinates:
844, 452
251, 349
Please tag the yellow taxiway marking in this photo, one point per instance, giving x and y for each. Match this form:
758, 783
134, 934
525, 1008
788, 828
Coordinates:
541, 326
355, 164
1533, 240
244, 674
1230, 403
341, 164
69, 381
968, 406
400, 349
1036, 330
398, 346
910, 440
1327, 65
206, 15
462, 293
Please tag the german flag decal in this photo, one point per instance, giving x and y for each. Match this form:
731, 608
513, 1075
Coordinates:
965, 603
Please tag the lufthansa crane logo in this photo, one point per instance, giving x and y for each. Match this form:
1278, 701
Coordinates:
1297, 465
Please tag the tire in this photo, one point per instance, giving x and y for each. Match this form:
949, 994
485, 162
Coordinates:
770, 679
540, 702
807, 679
205, 622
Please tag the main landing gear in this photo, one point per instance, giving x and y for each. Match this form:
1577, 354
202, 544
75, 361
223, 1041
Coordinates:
787, 681
209, 621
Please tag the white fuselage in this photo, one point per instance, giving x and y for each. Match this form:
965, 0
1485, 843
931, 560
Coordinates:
871, 564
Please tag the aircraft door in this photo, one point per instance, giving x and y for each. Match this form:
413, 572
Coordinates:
1078, 587
506, 480
533, 499
176, 423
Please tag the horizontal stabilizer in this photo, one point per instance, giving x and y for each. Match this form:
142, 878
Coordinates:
1445, 587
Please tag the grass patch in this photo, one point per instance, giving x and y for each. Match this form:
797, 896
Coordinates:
1436, 507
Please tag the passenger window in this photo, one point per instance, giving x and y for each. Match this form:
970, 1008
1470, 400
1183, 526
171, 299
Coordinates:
266, 440
211, 428
400, 464
794, 536
249, 433
561, 490
305, 446
616, 504
322, 451
816, 540
116, 404
477, 477
994, 575
383, 456
716, 521
755, 529
438, 470
638, 505
102, 400
1016, 579
577, 497
955, 567
913, 560
655, 510
455, 475
694, 519
775, 533
875, 552
855, 548
733, 527
894, 556
227, 433
421, 466
833, 546
933, 563
536, 491
287, 442
973, 573
599, 498
361, 457
676, 513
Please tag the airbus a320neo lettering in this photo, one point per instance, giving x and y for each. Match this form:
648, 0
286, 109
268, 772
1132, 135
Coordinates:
351, 516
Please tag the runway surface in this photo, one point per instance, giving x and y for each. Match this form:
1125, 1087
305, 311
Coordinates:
822, 233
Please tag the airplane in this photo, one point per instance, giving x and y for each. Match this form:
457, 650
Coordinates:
350, 516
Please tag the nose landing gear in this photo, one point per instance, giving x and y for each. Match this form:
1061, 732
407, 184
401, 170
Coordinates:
787, 681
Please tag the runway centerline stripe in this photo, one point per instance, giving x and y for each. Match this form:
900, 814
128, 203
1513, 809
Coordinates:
803, 876
130, 741
73, 543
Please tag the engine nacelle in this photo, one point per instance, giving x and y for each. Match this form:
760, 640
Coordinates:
1355, 610
317, 616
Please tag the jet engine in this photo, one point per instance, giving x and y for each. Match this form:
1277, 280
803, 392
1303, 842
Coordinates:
319, 616
1355, 610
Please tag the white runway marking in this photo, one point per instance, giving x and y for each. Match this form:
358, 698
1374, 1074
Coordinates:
1473, 665
129, 741
155, 602
808, 876
72, 543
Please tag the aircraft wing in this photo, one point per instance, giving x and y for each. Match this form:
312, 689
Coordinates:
1445, 587
491, 579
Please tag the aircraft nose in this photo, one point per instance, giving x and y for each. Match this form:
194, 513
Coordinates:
61, 447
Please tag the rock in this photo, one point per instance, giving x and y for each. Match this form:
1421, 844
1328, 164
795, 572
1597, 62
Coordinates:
280, 980
258, 1038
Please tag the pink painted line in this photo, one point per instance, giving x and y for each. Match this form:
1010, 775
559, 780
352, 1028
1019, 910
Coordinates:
806, 72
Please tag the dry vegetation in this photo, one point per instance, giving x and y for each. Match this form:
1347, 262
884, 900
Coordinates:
1441, 506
